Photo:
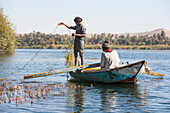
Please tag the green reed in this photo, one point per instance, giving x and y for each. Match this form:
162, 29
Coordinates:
69, 56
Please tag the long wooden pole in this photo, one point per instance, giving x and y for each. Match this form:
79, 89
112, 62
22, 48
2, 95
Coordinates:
43, 74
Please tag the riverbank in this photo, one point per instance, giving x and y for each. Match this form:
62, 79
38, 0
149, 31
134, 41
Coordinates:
145, 47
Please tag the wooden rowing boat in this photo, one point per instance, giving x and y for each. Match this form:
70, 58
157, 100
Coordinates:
125, 74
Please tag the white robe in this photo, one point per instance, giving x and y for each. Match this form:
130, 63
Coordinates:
110, 60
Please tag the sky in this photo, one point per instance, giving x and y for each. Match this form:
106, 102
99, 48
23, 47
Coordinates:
99, 16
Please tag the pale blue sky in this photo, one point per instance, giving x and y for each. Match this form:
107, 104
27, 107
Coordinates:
110, 16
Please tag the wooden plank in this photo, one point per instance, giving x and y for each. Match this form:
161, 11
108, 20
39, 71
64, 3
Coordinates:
43, 74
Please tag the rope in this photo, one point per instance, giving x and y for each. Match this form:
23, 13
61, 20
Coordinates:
33, 56
68, 30
55, 29
27, 62
51, 67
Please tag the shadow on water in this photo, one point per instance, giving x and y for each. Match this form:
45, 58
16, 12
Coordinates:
110, 98
3, 59
6, 53
4, 56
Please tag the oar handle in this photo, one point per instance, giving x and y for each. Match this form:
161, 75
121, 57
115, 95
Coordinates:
43, 74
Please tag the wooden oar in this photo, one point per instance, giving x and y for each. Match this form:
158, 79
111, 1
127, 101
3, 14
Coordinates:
43, 74
149, 72
156, 74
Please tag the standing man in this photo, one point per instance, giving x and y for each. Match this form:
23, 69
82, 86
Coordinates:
110, 58
79, 38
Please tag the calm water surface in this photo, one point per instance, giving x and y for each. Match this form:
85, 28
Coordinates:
149, 94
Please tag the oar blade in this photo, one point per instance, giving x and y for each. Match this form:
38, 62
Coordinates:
156, 74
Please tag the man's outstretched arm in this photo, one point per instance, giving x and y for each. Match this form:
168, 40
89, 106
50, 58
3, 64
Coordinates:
62, 23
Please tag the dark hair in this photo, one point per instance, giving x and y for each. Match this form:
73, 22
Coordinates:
105, 45
78, 19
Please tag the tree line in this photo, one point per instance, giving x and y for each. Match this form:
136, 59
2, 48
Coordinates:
56, 41
9, 40
7, 34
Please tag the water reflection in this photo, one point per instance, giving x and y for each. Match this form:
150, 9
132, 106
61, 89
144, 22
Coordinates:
79, 99
110, 98
76, 101
116, 97
5, 56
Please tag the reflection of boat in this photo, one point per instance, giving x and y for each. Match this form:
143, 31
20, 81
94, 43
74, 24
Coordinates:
110, 97
124, 74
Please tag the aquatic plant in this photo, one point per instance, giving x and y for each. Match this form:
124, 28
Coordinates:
20, 92
70, 56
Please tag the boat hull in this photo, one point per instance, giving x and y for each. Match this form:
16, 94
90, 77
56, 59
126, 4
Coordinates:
125, 74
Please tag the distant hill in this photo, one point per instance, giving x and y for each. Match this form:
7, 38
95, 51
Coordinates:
156, 31
149, 33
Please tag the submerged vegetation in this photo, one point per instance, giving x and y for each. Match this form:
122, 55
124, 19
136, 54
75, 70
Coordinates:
23, 92
7, 34
70, 56
38, 40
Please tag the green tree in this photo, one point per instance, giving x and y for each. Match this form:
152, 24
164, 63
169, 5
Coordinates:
163, 34
7, 34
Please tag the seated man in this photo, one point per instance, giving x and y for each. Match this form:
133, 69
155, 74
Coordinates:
110, 58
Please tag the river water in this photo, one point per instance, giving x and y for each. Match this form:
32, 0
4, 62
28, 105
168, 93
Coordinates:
56, 93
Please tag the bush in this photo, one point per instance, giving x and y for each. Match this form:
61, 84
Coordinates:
7, 34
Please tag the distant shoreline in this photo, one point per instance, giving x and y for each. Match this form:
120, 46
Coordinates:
123, 47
